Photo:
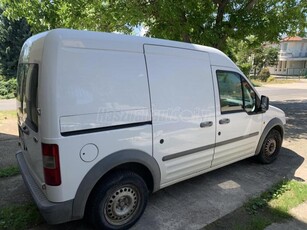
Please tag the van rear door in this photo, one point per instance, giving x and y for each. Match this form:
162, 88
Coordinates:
28, 117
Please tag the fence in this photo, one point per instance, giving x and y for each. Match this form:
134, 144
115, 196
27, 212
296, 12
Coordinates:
293, 72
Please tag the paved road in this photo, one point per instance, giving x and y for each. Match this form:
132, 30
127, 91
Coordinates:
9, 104
285, 92
194, 203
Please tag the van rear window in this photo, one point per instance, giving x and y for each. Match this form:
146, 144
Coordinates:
27, 80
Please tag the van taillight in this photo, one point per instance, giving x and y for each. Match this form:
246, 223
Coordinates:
51, 163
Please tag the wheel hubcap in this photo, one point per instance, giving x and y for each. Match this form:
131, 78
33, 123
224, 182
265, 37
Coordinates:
270, 147
121, 205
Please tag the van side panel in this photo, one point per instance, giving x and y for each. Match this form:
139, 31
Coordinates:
108, 88
100, 98
74, 166
182, 98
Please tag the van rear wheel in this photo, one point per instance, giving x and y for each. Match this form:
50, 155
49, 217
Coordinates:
270, 147
119, 201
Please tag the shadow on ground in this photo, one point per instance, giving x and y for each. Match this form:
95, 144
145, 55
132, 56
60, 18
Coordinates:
296, 113
8, 148
12, 189
241, 219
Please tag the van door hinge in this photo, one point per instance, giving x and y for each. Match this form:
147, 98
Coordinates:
38, 111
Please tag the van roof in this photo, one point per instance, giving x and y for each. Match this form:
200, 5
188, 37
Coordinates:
112, 41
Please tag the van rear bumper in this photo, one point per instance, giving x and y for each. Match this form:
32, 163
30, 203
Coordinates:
53, 213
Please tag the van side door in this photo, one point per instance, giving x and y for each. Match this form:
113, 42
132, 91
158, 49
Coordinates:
239, 125
183, 111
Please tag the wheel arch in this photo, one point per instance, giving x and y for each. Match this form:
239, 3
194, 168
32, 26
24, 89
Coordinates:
134, 160
275, 123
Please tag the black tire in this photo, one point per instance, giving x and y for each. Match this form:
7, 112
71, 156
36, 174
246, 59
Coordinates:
117, 202
270, 147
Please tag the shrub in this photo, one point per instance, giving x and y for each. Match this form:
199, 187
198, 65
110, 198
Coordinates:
245, 68
264, 74
270, 79
8, 88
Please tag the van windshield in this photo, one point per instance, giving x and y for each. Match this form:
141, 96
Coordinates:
27, 83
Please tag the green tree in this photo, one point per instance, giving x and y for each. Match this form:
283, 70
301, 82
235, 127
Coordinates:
13, 34
271, 55
242, 52
213, 22
97, 15
208, 22
264, 56
249, 54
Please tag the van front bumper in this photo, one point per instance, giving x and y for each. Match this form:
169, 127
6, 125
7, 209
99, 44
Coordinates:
53, 213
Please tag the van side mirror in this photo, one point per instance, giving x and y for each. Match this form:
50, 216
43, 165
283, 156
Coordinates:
264, 104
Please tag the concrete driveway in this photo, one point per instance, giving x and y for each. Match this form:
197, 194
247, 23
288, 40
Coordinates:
194, 203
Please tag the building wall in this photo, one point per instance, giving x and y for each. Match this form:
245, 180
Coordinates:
292, 58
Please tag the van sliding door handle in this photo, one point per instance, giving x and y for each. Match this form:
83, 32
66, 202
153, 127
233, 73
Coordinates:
224, 121
206, 124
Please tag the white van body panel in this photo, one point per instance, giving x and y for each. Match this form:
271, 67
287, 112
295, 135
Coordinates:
272, 113
95, 93
74, 168
106, 94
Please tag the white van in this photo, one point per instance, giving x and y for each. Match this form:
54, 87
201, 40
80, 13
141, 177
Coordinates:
105, 119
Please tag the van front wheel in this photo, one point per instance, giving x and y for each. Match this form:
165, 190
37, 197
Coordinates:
119, 201
270, 147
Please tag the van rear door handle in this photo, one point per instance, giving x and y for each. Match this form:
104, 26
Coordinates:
206, 124
25, 130
224, 121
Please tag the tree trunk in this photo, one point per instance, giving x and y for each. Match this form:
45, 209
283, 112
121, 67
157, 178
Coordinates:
185, 36
220, 43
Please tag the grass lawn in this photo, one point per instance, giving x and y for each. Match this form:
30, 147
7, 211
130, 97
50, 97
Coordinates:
9, 171
270, 207
4, 115
257, 83
19, 217
8, 122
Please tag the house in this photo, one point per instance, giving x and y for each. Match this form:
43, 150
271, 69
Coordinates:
292, 58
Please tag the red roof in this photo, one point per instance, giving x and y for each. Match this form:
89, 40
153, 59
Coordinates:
296, 38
